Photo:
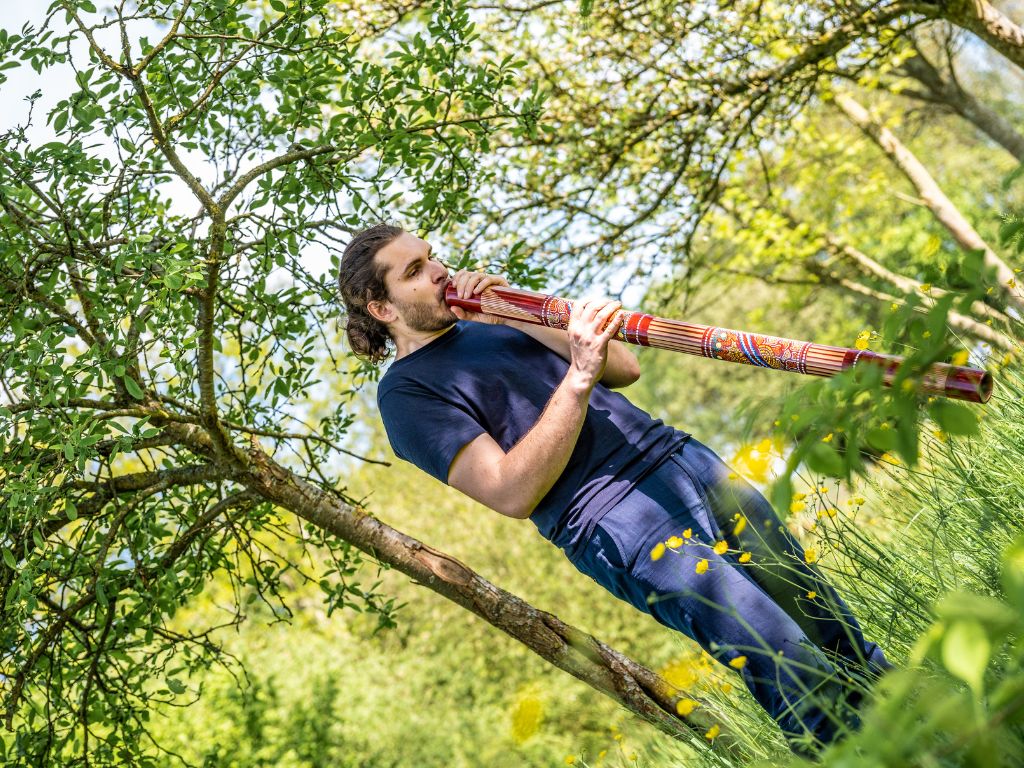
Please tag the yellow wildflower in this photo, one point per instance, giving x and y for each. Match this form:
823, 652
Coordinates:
810, 555
797, 506
674, 542
685, 707
601, 754
682, 673
739, 662
811, 595
741, 523
726, 687
925, 287
702, 566
658, 551
721, 548
745, 557
570, 759
688, 533
713, 731
831, 511
632, 756
858, 500
894, 306
526, 718
799, 496
827, 438
960, 358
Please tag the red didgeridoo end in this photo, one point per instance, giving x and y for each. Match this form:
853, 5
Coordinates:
451, 298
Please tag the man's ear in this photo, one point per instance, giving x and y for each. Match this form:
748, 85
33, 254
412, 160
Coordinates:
382, 311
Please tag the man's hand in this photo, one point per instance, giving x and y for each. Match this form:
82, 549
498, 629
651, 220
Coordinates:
590, 330
471, 284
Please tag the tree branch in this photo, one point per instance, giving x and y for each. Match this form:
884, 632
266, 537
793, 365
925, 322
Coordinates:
940, 205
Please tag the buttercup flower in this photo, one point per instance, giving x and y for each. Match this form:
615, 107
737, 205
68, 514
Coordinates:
674, 542
810, 555
745, 557
658, 551
721, 548
685, 707
702, 566
739, 662
713, 731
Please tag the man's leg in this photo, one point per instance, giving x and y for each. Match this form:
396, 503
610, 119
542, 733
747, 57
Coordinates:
712, 599
777, 560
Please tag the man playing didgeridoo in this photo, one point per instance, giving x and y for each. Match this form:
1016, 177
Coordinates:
523, 419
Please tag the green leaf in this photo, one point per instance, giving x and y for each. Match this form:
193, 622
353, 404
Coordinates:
1013, 573
9, 558
175, 685
825, 459
133, 388
881, 439
954, 418
965, 653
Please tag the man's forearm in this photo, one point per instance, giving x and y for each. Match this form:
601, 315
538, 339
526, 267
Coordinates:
535, 463
622, 368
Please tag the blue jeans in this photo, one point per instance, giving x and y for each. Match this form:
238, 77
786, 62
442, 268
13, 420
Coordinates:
798, 648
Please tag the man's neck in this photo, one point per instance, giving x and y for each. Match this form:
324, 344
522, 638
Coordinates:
410, 341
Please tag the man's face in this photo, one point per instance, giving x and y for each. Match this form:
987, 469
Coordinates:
416, 283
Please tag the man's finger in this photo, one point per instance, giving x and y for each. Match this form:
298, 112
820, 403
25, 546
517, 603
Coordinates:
612, 325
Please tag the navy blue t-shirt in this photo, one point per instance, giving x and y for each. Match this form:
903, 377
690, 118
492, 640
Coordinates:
479, 377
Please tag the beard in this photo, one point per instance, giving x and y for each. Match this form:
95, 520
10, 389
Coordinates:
423, 317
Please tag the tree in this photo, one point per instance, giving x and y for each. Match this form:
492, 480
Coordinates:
155, 360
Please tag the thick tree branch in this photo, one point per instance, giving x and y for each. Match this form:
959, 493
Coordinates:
583, 656
987, 22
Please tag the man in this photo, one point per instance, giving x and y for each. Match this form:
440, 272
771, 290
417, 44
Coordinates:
523, 419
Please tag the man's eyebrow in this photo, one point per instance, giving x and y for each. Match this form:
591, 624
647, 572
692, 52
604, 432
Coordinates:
430, 250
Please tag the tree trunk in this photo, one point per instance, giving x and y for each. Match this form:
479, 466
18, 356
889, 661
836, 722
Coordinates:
947, 91
940, 205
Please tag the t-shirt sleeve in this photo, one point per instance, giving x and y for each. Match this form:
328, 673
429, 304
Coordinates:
427, 430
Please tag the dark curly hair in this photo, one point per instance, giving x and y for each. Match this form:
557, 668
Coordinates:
360, 281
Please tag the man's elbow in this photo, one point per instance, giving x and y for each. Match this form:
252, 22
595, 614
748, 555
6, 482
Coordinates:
516, 509
623, 375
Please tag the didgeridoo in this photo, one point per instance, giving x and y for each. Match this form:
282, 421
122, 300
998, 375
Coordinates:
954, 381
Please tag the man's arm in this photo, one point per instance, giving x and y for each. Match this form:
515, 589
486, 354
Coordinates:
514, 483
622, 368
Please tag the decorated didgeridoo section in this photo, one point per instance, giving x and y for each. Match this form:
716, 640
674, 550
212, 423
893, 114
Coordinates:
954, 381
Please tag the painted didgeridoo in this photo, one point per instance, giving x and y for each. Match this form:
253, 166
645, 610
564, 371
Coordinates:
954, 381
